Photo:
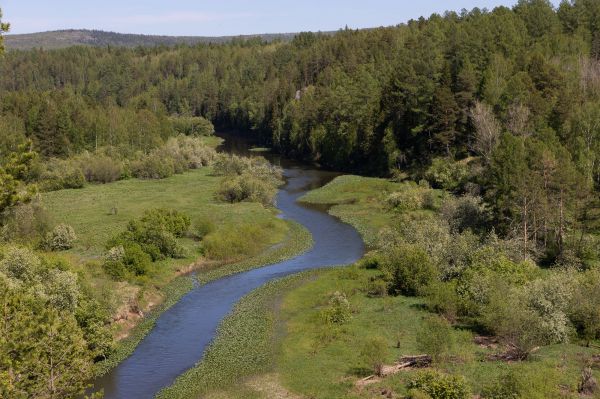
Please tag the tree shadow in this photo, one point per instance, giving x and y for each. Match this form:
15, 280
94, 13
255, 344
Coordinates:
360, 371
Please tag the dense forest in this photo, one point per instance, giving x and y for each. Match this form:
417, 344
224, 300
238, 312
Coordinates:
502, 103
498, 108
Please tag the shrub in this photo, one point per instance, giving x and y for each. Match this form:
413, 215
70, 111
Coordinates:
443, 299
61, 238
59, 174
134, 262
447, 174
409, 199
172, 221
466, 212
192, 125
338, 310
410, 270
584, 310
26, 222
435, 338
440, 386
153, 166
203, 227
61, 289
100, 168
374, 352
246, 187
233, 242
377, 287
21, 264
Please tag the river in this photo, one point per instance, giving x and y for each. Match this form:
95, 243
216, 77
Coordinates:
182, 333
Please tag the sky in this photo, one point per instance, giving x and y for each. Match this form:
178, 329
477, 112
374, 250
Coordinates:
221, 17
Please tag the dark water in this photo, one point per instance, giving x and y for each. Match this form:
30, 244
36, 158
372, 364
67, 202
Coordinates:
183, 332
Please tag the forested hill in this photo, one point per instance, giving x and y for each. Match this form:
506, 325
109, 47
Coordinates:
83, 37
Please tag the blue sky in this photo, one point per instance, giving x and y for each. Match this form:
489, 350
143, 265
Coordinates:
221, 17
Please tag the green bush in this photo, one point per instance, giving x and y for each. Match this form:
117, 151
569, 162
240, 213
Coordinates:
133, 261
26, 222
435, 338
172, 221
374, 352
202, 227
443, 299
100, 168
409, 269
246, 187
233, 242
192, 125
153, 166
338, 309
152, 237
440, 386
59, 174
21, 264
61, 238
447, 174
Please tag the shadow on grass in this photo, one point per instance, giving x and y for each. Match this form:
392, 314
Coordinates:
359, 371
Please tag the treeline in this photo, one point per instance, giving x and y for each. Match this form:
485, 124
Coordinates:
504, 104
359, 100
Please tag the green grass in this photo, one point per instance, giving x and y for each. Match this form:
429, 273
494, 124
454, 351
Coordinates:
317, 367
358, 201
89, 210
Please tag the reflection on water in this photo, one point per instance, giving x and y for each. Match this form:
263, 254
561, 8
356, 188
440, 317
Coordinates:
183, 332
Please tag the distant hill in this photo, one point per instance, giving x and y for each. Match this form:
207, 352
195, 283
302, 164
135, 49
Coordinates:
83, 37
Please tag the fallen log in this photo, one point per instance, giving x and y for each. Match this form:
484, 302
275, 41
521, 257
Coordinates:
416, 360
405, 362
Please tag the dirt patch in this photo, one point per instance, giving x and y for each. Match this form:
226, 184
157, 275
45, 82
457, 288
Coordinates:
269, 385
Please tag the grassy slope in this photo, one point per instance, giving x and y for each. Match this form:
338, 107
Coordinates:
316, 363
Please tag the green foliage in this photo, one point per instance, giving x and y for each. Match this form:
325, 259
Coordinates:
192, 125
58, 174
13, 172
435, 338
152, 237
43, 351
60, 238
338, 309
374, 352
447, 174
440, 386
177, 155
246, 187
233, 242
202, 227
4, 27
172, 221
409, 270
247, 179
99, 168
